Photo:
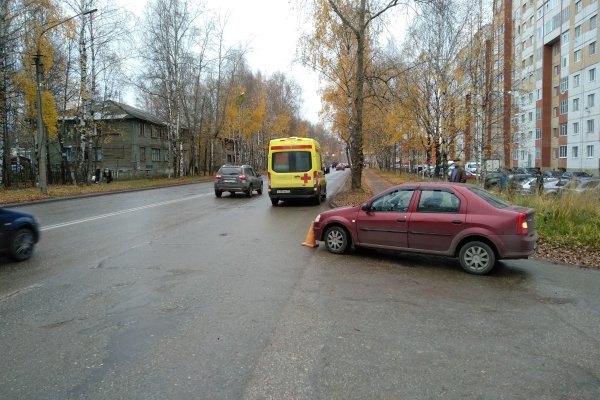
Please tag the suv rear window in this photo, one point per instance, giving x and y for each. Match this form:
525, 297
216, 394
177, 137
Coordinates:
291, 161
230, 170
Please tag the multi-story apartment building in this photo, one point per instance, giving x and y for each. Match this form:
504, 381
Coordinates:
555, 74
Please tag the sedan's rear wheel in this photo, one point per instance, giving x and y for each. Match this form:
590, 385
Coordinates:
218, 193
260, 188
336, 239
477, 258
22, 244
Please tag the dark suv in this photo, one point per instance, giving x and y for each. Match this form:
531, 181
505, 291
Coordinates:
237, 178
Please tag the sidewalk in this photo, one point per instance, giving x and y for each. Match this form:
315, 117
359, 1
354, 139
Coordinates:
376, 183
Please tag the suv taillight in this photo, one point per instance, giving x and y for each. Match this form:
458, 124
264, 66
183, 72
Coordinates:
218, 176
522, 227
242, 177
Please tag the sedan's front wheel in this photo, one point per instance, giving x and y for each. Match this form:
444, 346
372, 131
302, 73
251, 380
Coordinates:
21, 246
477, 258
336, 239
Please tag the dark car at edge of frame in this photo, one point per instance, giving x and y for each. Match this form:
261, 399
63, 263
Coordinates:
446, 219
19, 232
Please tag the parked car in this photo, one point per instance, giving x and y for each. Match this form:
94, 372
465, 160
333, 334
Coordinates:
340, 167
19, 232
552, 174
551, 186
472, 166
492, 179
575, 174
446, 219
581, 185
237, 178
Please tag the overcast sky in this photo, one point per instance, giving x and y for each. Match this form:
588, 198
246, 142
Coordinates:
270, 28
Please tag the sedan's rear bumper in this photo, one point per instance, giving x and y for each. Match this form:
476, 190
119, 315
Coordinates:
520, 246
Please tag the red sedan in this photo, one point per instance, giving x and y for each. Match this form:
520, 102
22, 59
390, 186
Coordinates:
447, 219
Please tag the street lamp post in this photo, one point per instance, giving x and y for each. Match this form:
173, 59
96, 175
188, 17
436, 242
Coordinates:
43, 174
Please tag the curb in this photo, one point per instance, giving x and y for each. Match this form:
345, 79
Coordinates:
97, 194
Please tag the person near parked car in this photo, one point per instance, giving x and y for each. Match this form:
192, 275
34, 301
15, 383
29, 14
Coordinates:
539, 180
458, 173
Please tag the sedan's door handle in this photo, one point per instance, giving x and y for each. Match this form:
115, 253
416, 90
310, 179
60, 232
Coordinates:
457, 222
401, 220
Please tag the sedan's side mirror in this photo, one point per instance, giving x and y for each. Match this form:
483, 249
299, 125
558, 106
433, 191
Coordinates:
366, 207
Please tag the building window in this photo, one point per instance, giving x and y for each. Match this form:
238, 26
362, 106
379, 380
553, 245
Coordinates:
142, 153
538, 133
575, 128
590, 126
142, 126
592, 74
577, 55
577, 31
154, 131
565, 38
575, 104
530, 116
538, 114
591, 100
564, 107
97, 153
538, 154
554, 153
563, 152
555, 111
577, 6
555, 132
592, 48
574, 151
564, 84
155, 154
576, 80
590, 150
593, 22
563, 129
522, 118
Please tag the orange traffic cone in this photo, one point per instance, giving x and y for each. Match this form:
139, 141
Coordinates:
310, 237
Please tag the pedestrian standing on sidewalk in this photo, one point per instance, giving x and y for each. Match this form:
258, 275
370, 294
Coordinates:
458, 173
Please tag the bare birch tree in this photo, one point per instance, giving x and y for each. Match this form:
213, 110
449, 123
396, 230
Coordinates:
168, 36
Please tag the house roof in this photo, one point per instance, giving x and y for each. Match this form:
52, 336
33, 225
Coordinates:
113, 110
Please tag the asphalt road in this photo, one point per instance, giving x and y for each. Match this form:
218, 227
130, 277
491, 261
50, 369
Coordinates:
175, 294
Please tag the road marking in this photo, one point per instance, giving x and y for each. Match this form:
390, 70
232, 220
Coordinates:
112, 214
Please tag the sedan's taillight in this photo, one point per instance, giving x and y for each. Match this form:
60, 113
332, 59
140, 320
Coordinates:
522, 226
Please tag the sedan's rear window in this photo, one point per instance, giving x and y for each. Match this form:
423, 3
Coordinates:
292, 161
490, 198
